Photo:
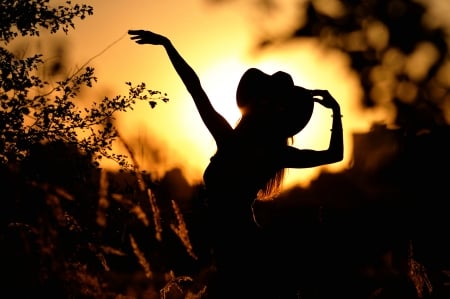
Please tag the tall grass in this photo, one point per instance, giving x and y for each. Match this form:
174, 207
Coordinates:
86, 237
90, 233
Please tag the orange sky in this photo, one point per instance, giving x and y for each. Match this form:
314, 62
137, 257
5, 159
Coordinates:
217, 42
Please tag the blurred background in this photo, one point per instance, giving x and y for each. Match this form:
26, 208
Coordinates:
386, 63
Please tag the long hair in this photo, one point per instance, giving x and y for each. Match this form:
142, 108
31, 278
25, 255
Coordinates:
273, 186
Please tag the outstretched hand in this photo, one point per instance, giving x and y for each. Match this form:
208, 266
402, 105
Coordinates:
324, 98
147, 37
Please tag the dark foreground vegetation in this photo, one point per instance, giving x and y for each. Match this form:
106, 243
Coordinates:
377, 230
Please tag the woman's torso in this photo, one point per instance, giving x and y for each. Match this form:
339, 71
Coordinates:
238, 171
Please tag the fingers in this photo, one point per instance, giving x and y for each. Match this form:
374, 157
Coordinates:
323, 97
138, 39
138, 35
320, 92
133, 32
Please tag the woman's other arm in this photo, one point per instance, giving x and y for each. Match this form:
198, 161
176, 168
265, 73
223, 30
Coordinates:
301, 158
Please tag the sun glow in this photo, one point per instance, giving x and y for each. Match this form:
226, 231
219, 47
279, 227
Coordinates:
185, 142
220, 82
175, 133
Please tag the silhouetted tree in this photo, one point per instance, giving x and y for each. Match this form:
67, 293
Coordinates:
399, 53
53, 221
34, 110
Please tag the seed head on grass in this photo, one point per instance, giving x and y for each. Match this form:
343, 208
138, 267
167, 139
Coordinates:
181, 230
418, 275
141, 257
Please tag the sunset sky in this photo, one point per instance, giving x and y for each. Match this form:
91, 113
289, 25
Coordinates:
218, 42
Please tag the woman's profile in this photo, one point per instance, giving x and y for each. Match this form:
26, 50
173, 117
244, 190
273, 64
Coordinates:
249, 164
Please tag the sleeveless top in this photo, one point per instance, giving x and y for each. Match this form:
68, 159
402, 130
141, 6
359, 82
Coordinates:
234, 176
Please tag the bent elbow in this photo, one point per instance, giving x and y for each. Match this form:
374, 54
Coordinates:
336, 156
340, 155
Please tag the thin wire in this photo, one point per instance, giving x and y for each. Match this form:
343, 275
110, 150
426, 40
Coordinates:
99, 53
90, 60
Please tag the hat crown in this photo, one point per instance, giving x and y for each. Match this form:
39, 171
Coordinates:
293, 105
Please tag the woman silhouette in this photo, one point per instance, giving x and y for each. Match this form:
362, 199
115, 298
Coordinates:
249, 164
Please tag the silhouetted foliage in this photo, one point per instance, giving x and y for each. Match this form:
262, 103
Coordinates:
71, 230
399, 54
34, 110
29, 17
66, 230
399, 57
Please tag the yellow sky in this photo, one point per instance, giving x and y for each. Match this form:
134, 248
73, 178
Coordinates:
217, 43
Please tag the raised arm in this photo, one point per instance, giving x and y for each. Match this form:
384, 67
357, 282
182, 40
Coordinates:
215, 123
301, 158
